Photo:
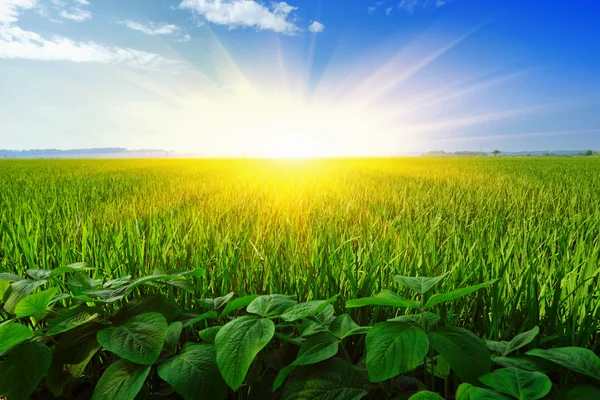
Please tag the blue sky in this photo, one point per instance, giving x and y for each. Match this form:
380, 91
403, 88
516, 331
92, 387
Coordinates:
311, 77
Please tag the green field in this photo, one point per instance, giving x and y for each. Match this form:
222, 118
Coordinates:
323, 227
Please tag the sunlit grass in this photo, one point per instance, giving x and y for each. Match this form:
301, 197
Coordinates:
322, 227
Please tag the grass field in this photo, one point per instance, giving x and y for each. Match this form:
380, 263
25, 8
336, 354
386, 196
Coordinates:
318, 228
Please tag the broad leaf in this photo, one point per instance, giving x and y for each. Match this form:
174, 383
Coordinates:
304, 310
420, 284
521, 340
333, 379
455, 294
76, 267
117, 283
150, 303
35, 304
523, 385
394, 348
271, 305
19, 290
384, 298
576, 359
497, 347
172, 336
343, 326
430, 319
237, 344
70, 320
426, 395
23, 369
316, 348
466, 391
209, 334
238, 303
199, 318
528, 363
466, 353
72, 354
39, 274
12, 334
194, 374
139, 340
9, 277
121, 381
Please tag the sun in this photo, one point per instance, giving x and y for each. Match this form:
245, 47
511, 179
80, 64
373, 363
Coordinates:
291, 147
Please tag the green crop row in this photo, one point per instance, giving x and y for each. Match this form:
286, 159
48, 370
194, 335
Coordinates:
67, 335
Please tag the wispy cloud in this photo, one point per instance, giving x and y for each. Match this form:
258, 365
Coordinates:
76, 14
316, 27
72, 9
412, 5
17, 43
244, 13
151, 28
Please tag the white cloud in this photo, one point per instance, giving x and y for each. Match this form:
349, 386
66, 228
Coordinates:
17, 43
316, 27
9, 9
411, 5
244, 13
151, 28
388, 11
76, 14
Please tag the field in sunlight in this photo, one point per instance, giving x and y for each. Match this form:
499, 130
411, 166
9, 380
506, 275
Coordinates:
322, 227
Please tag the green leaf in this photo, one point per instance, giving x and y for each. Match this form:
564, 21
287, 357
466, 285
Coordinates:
426, 395
316, 348
271, 305
420, 284
194, 374
12, 334
238, 303
150, 303
4, 286
161, 277
35, 304
9, 277
209, 334
497, 347
394, 348
415, 319
466, 391
199, 318
140, 340
304, 310
384, 298
39, 274
70, 321
72, 354
521, 340
334, 379
523, 385
121, 381
117, 283
576, 359
455, 294
19, 290
343, 326
466, 353
172, 336
76, 267
527, 363
237, 345
23, 369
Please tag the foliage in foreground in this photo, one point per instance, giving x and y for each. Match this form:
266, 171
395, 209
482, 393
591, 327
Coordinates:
71, 336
